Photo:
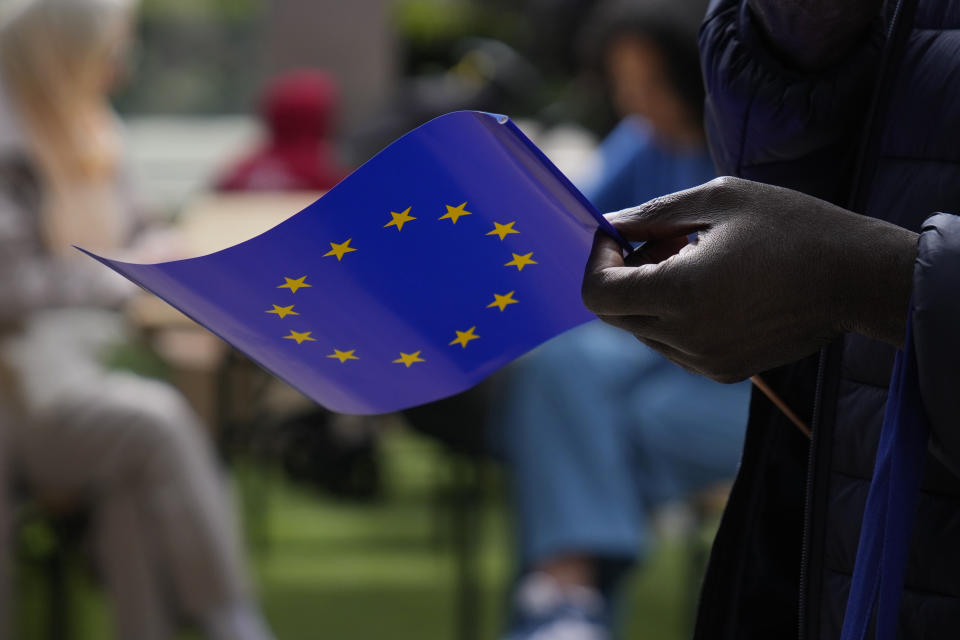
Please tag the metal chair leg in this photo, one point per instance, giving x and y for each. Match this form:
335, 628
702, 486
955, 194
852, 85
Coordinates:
468, 517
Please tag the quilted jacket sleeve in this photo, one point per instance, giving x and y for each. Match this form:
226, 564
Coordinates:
769, 122
936, 331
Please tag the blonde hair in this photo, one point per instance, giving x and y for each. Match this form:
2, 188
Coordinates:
54, 57
54, 54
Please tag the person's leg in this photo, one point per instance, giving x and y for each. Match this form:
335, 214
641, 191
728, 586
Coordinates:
687, 432
128, 564
127, 435
559, 427
190, 511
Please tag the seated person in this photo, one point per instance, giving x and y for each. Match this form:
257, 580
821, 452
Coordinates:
596, 428
298, 109
127, 450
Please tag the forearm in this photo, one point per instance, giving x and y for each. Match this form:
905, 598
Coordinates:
814, 34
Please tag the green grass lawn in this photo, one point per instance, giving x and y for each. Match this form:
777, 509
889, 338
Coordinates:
328, 569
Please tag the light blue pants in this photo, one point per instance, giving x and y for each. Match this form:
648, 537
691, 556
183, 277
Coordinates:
596, 429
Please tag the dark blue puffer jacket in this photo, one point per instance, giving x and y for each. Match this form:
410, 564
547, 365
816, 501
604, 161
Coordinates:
879, 134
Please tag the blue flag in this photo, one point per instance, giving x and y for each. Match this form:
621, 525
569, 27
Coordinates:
453, 251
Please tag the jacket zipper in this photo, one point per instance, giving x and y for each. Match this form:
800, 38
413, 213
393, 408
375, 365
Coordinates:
855, 195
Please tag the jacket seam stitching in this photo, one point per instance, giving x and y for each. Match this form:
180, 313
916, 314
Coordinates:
892, 158
899, 158
743, 132
863, 383
919, 591
933, 494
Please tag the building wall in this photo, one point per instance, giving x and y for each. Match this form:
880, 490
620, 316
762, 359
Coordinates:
351, 39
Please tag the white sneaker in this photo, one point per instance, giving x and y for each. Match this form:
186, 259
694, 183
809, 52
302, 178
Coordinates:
547, 610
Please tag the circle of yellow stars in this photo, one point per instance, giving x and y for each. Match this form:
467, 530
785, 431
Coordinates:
398, 220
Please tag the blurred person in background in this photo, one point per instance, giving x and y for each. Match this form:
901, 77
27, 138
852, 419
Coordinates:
298, 110
595, 427
125, 449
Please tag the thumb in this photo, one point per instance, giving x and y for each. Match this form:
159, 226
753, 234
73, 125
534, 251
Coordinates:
612, 289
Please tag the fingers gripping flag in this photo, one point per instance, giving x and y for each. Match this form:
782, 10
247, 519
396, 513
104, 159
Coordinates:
453, 251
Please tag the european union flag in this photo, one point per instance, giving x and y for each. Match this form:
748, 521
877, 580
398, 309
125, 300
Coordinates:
453, 251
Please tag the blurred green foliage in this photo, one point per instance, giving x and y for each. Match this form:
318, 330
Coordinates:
430, 30
194, 57
207, 57
433, 20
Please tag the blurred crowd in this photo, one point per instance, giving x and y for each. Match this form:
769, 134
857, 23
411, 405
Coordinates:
594, 430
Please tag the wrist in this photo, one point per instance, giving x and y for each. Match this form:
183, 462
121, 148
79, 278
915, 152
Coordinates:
876, 281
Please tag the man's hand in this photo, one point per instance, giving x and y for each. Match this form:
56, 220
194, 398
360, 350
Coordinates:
773, 275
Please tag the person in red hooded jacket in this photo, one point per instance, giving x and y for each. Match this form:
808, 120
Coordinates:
298, 109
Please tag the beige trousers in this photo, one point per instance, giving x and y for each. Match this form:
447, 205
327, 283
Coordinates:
131, 451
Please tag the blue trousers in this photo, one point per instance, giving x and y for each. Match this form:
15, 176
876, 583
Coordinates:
596, 429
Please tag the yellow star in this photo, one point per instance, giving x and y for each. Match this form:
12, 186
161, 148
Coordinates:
463, 337
399, 219
454, 213
503, 230
409, 358
283, 312
293, 285
343, 356
339, 249
502, 301
521, 261
300, 337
